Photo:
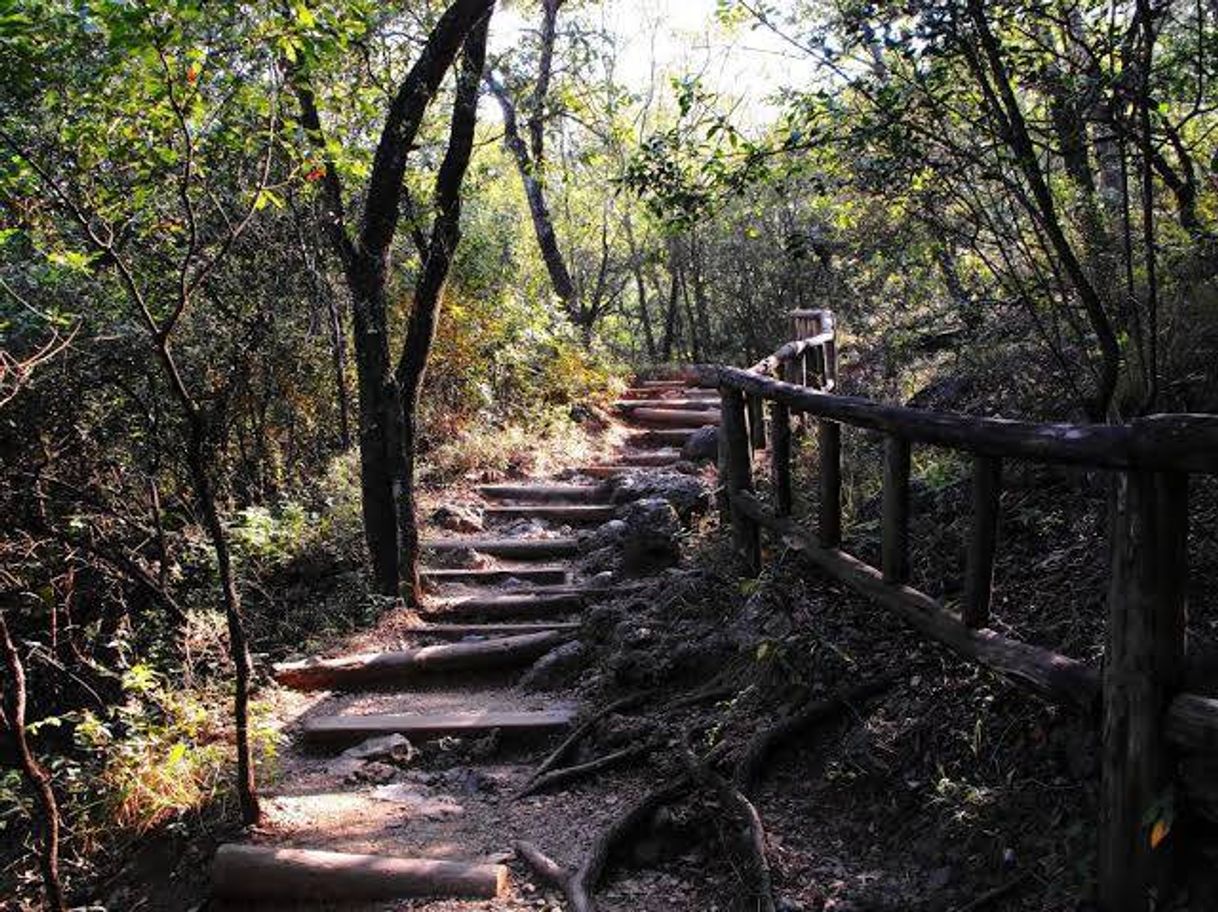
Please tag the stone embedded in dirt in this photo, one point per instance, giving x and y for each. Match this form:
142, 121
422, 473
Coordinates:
416, 803
651, 542
606, 535
393, 747
703, 444
687, 494
554, 669
457, 518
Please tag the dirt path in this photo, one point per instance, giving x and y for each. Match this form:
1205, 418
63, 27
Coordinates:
417, 747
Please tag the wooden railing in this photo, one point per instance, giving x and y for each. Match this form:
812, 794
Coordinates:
1154, 737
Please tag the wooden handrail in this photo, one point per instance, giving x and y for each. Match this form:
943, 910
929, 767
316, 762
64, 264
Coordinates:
1174, 442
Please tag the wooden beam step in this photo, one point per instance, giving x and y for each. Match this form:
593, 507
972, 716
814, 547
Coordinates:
655, 458
273, 874
697, 404
575, 514
442, 631
518, 548
546, 493
674, 417
661, 437
370, 668
347, 729
530, 606
498, 575
661, 384
676, 392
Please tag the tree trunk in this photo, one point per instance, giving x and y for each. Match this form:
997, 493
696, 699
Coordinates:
238, 644
445, 235
12, 712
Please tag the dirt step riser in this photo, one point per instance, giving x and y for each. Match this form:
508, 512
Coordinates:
379, 668
681, 405
659, 458
571, 515
508, 607
442, 631
557, 575
666, 418
517, 548
668, 437
338, 730
275, 874
557, 493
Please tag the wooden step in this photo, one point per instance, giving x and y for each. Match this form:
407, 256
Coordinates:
674, 417
698, 404
371, 668
442, 631
661, 437
662, 384
347, 729
530, 606
498, 575
573, 514
259, 874
517, 548
546, 493
654, 458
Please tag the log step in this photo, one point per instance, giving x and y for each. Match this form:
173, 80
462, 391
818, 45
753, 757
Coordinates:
661, 384
568, 493
518, 548
697, 404
371, 668
661, 437
273, 874
530, 606
345, 729
498, 575
575, 514
461, 631
654, 458
674, 417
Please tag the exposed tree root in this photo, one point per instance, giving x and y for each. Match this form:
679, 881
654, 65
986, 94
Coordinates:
732, 798
764, 743
572, 740
568, 774
551, 872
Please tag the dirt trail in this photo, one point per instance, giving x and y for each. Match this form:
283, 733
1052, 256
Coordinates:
449, 795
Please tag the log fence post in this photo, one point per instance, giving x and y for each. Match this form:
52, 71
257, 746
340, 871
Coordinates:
979, 570
895, 524
1144, 657
756, 414
780, 451
736, 459
829, 521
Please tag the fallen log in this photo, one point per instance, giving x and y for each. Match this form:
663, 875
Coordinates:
380, 667
267, 873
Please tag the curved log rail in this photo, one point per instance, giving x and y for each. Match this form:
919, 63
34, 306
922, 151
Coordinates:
1156, 740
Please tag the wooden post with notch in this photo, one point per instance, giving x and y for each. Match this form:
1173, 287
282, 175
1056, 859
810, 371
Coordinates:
829, 521
895, 528
979, 571
1143, 660
734, 441
780, 451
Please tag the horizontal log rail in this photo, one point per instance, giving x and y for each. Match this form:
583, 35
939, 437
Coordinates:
1153, 736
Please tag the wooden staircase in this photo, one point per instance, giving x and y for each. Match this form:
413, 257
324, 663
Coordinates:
488, 620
